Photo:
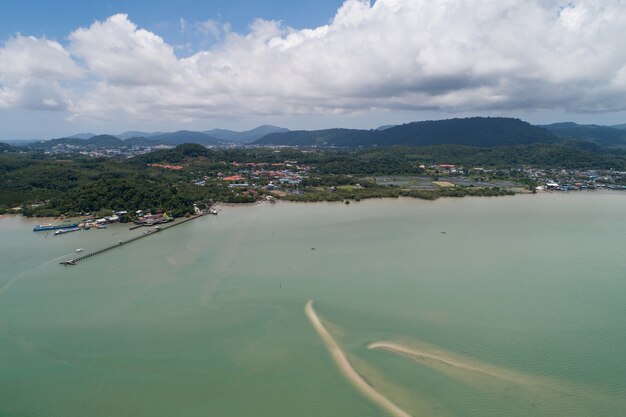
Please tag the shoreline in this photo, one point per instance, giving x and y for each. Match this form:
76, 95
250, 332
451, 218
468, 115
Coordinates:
345, 367
220, 205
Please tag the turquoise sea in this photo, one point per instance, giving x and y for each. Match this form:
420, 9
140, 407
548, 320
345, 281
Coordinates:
513, 306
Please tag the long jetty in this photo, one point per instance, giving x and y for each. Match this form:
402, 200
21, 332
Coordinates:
127, 241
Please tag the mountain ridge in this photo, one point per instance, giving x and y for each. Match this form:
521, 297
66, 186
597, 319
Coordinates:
602, 135
474, 131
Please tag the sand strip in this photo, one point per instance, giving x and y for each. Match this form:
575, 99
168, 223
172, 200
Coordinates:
541, 390
467, 368
438, 358
346, 368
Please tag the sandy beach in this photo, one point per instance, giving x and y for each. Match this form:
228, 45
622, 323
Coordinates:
346, 368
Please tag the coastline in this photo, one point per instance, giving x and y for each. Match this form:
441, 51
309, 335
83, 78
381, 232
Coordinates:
220, 205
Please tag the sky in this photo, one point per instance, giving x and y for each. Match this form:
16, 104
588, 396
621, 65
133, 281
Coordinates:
110, 66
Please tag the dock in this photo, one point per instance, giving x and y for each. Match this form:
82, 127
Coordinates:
154, 231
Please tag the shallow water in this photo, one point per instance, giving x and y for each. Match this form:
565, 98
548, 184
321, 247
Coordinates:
517, 309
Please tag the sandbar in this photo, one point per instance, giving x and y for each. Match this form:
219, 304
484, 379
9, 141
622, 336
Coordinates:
346, 368
440, 358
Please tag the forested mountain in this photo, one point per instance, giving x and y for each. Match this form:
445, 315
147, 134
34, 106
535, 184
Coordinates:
328, 137
5, 147
602, 135
215, 137
100, 141
136, 134
82, 136
177, 154
475, 131
246, 136
186, 136
140, 141
109, 141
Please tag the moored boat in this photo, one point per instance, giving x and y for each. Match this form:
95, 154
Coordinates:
49, 226
67, 230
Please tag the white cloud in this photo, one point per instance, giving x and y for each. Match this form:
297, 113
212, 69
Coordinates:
31, 72
119, 53
211, 28
453, 55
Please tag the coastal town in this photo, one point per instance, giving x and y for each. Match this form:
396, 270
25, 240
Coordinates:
204, 176
286, 177
182, 183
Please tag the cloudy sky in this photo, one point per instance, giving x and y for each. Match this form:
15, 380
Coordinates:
109, 66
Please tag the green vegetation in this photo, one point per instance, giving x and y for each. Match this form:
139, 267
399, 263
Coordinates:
372, 191
576, 155
44, 184
44, 187
5, 147
602, 135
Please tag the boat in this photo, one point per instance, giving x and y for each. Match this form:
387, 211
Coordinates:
68, 230
80, 250
49, 226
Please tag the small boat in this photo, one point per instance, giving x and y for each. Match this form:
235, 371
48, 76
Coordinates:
64, 231
80, 250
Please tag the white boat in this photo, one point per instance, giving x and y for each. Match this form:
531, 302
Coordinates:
80, 250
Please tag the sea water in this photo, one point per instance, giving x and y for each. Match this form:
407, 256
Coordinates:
515, 306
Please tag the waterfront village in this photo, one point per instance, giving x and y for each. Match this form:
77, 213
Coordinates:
190, 179
220, 180
271, 181
291, 180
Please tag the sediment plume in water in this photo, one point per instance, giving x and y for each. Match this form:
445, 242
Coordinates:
346, 368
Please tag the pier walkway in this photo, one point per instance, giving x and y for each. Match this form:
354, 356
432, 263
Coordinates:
127, 241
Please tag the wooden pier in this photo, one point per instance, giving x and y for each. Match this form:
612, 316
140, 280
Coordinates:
154, 231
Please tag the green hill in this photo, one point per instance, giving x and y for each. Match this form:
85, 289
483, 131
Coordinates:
100, 141
328, 137
246, 136
602, 135
5, 147
475, 131
177, 154
186, 136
